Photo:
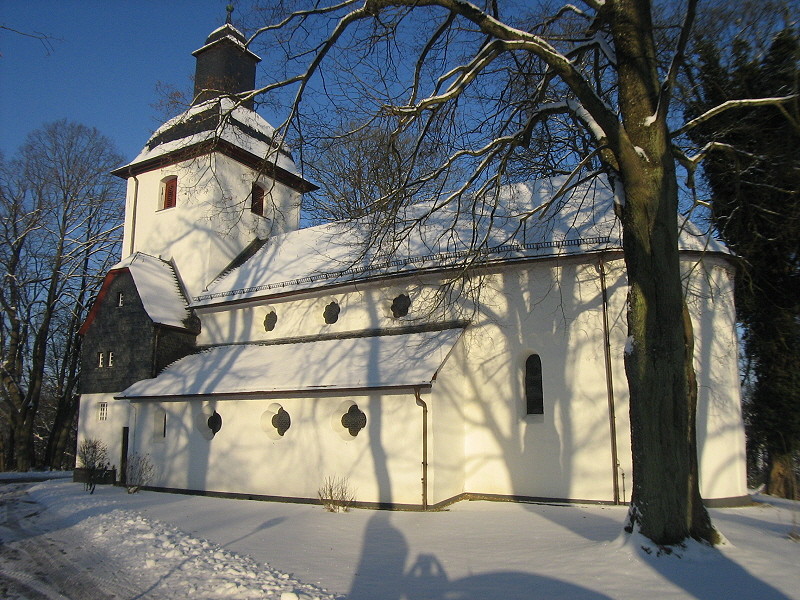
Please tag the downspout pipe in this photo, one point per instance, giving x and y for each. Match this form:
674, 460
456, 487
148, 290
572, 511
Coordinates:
133, 210
612, 424
421, 403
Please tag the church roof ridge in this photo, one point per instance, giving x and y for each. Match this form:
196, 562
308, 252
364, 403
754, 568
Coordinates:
337, 253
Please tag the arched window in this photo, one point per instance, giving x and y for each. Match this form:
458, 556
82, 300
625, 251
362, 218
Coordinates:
169, 192
159, 424
257, 201
534, 397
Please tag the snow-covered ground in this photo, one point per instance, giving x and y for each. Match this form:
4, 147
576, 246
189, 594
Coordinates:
152, 545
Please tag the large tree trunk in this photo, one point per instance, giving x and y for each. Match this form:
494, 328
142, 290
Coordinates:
23, 445
665, 502
61, 433
782, 481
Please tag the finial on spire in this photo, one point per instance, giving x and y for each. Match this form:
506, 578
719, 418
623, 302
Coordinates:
229, 8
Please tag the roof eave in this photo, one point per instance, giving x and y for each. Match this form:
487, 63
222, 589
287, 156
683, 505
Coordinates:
225, 147
227, 39
281, 392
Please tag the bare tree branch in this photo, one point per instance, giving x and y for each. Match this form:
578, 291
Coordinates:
778, 101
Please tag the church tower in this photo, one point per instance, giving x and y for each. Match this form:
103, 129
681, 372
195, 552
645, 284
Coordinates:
213, 183
224, 65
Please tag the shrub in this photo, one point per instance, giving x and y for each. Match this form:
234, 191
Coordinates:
93, 456
140, 472
335, 494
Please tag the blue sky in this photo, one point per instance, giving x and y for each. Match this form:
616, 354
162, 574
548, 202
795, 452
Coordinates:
103, 66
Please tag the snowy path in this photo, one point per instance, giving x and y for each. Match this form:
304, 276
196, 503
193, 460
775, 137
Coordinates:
60, 542
105, 553
35, 564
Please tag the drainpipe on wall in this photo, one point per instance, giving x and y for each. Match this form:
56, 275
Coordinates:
609, 383
133, 210
421, 403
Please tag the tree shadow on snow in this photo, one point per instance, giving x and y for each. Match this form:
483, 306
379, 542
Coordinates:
382, 574
707, 574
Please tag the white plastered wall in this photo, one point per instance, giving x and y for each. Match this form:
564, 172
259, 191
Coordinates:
361, 307
480, 439
382, 463
109, 431
553, 310
211, 222
720, 433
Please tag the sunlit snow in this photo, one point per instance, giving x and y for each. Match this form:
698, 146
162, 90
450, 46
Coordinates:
174, 546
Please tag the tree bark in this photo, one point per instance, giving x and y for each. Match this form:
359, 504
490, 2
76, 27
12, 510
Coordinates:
60, 435
782, 481
665, 502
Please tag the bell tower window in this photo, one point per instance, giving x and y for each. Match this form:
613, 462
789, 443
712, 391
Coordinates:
169, 192
257, 200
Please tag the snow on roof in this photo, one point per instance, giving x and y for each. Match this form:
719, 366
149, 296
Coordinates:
579, 222
158, 288
402, 360
226, 32
221, 119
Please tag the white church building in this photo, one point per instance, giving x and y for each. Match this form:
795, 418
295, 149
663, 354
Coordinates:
251, 358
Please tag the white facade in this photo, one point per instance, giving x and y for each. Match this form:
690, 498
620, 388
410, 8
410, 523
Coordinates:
479, 439
92, 424
305, 365
211, 222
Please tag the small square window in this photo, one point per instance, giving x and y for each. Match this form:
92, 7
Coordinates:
102, 411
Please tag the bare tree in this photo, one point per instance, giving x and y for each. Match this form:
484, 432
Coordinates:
60, 210
353, 168
580, 89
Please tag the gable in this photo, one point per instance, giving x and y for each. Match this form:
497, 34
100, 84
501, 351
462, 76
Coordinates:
156, 289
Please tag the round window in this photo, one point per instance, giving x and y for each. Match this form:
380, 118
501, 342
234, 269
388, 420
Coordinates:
331, 313
270, 321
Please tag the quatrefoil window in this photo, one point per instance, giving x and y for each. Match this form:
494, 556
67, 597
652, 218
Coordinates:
400, 306
281, 421
354, 420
